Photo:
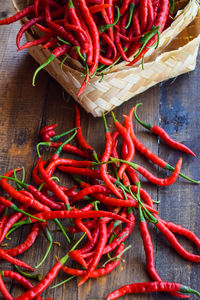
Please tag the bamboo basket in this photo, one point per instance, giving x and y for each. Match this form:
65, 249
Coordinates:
176, 54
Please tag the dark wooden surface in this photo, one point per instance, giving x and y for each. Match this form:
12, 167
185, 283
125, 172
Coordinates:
173, 104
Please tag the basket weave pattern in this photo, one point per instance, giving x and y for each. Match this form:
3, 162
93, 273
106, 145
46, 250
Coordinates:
176, 54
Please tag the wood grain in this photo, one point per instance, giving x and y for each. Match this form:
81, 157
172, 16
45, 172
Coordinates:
173, 104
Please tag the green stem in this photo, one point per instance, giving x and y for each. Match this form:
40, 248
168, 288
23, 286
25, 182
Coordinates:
105, 27
116, 257
63, 282
37, 277
58, 136
65, 258
148, 126
62, 230
170, 168
50, 240
59, 150
42, 144
63, 41
105, 122
131, 10
185, 289
49, 60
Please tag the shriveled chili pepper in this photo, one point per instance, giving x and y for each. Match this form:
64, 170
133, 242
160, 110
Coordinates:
46, 281
150, 287
163, 135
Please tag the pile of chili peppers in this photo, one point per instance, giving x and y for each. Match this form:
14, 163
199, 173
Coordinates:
101, 207
97, 33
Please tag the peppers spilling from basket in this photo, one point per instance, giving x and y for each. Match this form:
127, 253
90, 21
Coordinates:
102, 207
97, 33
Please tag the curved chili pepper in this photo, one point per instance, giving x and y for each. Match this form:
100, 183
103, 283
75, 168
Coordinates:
18, 16
14, 261
4, 290
29, 241
17, 277
150, 287
163, 135
98, 7
127, 139
105, 158
36, 42
98, 250
53, 186
145, 151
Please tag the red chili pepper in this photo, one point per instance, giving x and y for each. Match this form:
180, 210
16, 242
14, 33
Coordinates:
17, 277
127, 139
4, 290
150, 287
29, 241
14, 261
105, 158
145, 151
98, 250
53, 186
175, 244
98, 272
143, 9
82, 142
36, 42
20, 197
18, 16
163, 135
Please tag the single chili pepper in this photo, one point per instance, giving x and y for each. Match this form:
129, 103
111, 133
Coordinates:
29, 241
4, 219
163, 135
17, 277
151, 15
143, 9
124, 7
4, 290
20, 197
60, 50
63, 214
47, 132
53, 186
10, 221
149, 251
98, 272
25, 27
175, 228
82, 142
105, 158
102, 240
175, 244
145, 151
14, 261
95, 40
36, 42
153, 179
98, 7
37, 276
46, 281
127, 139
18, 16
150, 287
119, 45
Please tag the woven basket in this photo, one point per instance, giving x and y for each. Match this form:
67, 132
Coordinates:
176, 54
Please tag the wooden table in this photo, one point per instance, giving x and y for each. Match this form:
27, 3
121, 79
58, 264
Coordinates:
174, 105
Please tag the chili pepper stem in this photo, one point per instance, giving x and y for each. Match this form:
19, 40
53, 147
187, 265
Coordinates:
63, 282
170, 168
185, 289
